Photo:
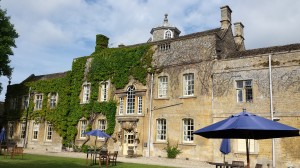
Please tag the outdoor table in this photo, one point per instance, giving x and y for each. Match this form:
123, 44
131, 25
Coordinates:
226, 165
4, 147
92, 154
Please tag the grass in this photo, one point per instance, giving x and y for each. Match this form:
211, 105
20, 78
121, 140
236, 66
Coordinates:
40, 161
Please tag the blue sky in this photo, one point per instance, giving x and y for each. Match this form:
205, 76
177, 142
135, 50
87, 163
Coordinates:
53, 33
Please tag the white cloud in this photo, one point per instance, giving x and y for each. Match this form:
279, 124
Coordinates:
54, 32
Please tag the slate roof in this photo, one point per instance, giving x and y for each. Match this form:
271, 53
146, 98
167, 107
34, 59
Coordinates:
32, 77
266, 50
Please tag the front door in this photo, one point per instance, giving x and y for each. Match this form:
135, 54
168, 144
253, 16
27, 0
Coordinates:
128, 141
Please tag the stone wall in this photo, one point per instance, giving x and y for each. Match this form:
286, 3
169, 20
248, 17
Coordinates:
286, 98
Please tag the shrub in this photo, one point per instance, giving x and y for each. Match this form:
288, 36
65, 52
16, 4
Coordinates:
84, 148
172, 151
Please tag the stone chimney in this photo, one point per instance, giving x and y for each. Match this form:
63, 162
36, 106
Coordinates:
101, 42
239, 36
225, 17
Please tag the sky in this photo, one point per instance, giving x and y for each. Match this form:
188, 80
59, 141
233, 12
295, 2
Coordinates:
53, 33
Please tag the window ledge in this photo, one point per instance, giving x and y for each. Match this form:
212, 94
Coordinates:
160, 142
130, 115
187, 97
187, 144
162, 98
243, 153
84, 103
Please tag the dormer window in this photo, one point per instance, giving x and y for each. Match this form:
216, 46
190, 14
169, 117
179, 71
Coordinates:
168, 34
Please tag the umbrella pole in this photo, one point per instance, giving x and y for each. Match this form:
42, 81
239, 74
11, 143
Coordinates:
247, 151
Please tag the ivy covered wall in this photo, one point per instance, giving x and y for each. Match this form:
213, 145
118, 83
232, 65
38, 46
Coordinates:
114, 64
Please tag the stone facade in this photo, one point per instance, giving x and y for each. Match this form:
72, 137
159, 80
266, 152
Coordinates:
199, 79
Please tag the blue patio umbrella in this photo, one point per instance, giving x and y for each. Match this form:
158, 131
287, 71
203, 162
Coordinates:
97, 133
2, 135
245, 125
225, 147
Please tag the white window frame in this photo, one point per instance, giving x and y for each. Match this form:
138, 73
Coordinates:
244, 91
241, 146
121, 106
102, 125
130, 105
22, 130
83, 126
161, 134
162, 87
188, 84
168, 34
38, 102
86, 87
188, 129
53, 100
35, 131
11, 128
14, 103
49, 132
25, 102
104, 91
140, 105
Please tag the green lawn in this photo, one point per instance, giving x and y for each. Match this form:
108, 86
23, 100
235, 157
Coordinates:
39, 161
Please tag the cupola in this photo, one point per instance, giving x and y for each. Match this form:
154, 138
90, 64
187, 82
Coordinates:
165, 31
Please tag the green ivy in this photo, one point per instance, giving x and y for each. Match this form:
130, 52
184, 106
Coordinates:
115, 64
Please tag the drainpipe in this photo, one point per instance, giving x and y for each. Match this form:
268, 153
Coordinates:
271, 108
150, 116
26, 120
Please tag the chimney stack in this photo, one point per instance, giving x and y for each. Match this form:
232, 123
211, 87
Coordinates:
239, 36
225, 17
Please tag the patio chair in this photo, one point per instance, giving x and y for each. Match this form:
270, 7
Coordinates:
238, 163
113, 158
103, 157
258, 165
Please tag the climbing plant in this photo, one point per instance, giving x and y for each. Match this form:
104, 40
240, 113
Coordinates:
115, 64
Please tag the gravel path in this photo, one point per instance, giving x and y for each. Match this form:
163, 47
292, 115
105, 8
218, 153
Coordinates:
180, 163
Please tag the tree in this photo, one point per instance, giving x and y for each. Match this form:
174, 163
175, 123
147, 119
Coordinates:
7, 40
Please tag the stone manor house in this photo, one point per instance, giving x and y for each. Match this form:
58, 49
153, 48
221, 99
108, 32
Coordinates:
194, 80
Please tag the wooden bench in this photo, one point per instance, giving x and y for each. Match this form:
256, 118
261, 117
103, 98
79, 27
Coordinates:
14, 151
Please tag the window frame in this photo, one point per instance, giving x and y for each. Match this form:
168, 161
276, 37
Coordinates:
140, 104
82, 131
187, 123
53, 101
121, 105
35, 131
130, 100
102, 125
161, 130
22, 130
49, 132
104, 91
25, 101
86, 93
241, 146
38, 101
162, 87
11, 129
244, 91
168, 34
14, 103
188, 84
